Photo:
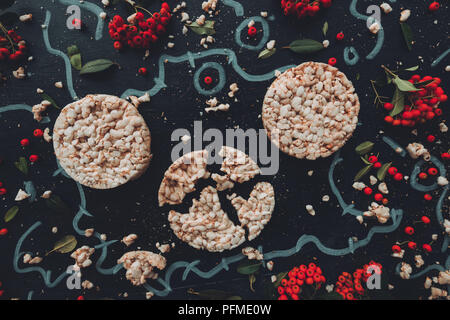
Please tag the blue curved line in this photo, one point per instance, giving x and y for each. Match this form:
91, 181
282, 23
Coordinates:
394, 145
243, 25
90, 7
440, 58
220, 85
238, 8
16, 107
48, 16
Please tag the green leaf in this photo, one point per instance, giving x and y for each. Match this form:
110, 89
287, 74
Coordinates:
22, 165
266, 53
96, 66
65, 245
365, 160
11, 213
412, 68
75, 61
72, 50
213, 294
55, 203
364, 148
361, 173
252, 280
422, 84
407, 35
248, 267
45, 96
381, 173
305, 46
325, 28
234, 298
404, 85
206, 29
398, 101
280, 277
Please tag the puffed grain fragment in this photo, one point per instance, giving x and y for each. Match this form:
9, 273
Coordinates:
129, 239
26, 17
404, 15
21, 195
141, 265
386, 7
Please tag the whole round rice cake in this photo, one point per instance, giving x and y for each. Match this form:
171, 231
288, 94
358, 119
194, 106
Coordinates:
102, 141
310, 111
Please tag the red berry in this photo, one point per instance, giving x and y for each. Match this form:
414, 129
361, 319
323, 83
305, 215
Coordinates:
409, 230
378, 197
388, 106
423, 176
425, 219
427, 197
433, 171
139, 16
326, 3
38, 133
392, 171
332, 61
427, 247
388, 119
396, 249
80, 298
3, 232
412, 245
368, 191
340, 36
445, 156
443, 97
385, 201
431, 138
208, 80
34, 158
377, 165
142, 71
309, 280
398, 177
373, 159
3, 191
434, 6
25, 142
117, 45
252, 31
280, 290
283, 297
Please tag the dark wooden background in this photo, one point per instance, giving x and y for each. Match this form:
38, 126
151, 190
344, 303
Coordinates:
133, 208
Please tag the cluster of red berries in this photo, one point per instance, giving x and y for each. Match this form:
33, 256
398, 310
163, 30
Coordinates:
140, 32
350, 287
38, 133
411, 244
424, 104
303, 8
424, 175
12, 46
298, 277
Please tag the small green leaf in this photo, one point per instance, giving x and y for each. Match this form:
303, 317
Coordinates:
399, 102
381, 173
404, 85
361, 173
234, 298
280, 277
325, 28
365, 160
11, 213
305, 46
22, 165
45, 96
422, 84
407, 35
252, 280
364, 148
75, 61
65, 245
358, 76
412, 68
248, 267
55, 203
96, 66
72, 50
266, 53
206, 29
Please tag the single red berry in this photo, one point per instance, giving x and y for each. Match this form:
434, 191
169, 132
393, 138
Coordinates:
388, 119
284, 282
34, 158
283, 297
340, 36
38, 133
139, 16
378, 197
368, 191
434, 6
396, 249
80, 298
312, 265
423, 176
425, 219
373, 159
385, 201
432, 171
409, 230
398, 177
445, 156
427, 247
377, 165
280, 290
3, 191
332, 61
252, 31
388, 106
431, 138
309, 281
142, 71
427, 197
118, 45
2, 292
3, 232
412, 245
25, 142
208, 80
443, 98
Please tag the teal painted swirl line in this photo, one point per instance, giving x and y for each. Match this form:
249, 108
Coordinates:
440, 58
24, 107
48, 16
92, 8
351, 61
232, 59
394, 145
220, 85
244, 25
31, 190
30, 295
238, 8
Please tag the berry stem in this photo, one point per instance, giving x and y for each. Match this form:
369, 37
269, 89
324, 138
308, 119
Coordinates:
388, 71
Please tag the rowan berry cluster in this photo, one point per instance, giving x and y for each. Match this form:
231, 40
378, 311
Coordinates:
303, 8
12, 46
298, 279
422, 105
139, 31
351, 286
